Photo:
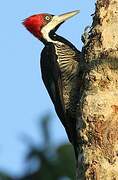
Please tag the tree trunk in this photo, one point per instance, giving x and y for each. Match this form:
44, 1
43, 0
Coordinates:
97, 111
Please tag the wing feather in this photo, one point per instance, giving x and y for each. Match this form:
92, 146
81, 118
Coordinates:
51, 76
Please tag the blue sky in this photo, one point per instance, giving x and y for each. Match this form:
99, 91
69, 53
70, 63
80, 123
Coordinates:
23, 97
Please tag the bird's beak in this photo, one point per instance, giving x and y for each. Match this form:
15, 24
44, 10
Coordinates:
63, 17
57, 20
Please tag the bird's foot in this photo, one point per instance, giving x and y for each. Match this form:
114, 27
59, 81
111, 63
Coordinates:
85, 35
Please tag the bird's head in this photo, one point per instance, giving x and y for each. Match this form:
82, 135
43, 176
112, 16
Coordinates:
40, 25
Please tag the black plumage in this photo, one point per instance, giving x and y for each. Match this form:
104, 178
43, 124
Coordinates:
60, 68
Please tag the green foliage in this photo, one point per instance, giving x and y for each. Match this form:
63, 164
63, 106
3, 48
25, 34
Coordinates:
52, 163
47, 162
4, 176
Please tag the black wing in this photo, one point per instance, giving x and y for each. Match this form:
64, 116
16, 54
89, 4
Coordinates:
51, 76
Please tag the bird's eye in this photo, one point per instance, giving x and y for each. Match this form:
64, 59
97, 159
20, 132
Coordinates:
47, 18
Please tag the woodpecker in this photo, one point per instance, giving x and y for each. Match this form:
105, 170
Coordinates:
59, 67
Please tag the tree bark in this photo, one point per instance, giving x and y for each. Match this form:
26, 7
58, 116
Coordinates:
97, 112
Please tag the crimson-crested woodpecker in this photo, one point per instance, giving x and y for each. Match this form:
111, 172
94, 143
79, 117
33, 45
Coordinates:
59, 67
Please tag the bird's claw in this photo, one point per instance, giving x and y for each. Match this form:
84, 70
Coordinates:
85, 35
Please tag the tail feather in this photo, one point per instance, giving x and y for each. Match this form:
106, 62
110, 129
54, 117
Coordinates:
72, 133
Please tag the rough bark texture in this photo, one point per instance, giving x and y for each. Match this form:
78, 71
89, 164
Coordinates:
98, 106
